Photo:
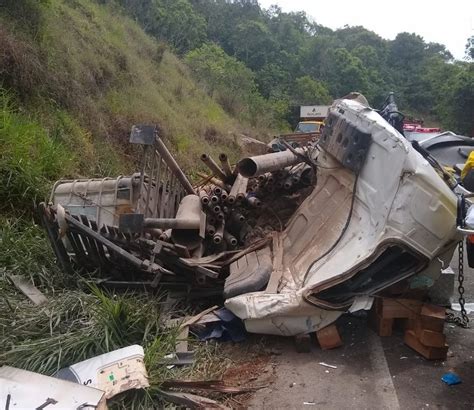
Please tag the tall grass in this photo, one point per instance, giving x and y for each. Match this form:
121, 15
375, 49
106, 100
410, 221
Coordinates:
29, 159
25, 250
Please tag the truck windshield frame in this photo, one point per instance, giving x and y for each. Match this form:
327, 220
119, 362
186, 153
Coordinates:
308, 127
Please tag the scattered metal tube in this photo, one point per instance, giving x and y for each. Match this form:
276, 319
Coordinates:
260, 164
220, 216
288, 183
210, 229
204, 197
211, 164
171, 162
224, 195
171, 223
212, 180
217, 190
225, 165
230, 239
215, 199
254, 202
219, 235
242, 189
238, 217
166, 235
235, 189
216, 209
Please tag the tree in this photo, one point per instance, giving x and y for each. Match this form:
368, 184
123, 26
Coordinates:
308, 91
469, 54
253, 43
224, 77
345, 73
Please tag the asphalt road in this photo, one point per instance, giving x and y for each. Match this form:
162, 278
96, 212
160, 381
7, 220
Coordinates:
371, 373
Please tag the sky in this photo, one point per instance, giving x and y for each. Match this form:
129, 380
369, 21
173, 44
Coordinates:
447, 22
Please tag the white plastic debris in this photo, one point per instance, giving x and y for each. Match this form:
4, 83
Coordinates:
21, 389
327, 365
112, 372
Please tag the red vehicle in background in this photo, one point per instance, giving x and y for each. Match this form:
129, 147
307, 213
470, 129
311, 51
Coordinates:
415, 125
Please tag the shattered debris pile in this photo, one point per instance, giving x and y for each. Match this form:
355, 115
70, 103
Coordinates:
154, 228
291, 239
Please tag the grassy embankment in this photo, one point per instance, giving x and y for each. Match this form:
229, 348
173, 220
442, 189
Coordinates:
75, 76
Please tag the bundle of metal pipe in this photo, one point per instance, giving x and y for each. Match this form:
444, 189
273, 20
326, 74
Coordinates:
230, 202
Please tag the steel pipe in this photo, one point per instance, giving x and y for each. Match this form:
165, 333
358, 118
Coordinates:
175, 168
225, 165
230, 239
204, 197
242, 189
260, 164
219, 235
234, 190
254, 202
211, 164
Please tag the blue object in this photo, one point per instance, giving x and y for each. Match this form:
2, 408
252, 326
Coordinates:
451, 379
230, 327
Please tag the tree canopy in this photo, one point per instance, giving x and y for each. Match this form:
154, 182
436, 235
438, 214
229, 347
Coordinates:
289, 59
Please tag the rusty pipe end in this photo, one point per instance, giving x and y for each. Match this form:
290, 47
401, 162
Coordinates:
214, 199
204, 157
217, 239
216, 209
247, 167
220, 216
230, 199
222, 157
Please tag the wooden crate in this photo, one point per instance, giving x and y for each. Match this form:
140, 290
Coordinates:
428, 352
328, 337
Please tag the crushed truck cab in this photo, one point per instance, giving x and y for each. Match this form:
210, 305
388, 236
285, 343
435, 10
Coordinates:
378, 214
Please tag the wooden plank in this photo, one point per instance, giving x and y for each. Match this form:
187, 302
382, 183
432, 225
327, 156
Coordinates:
394, 308
432, 317
430, 353
383, 327
328, 337
430, 338
29, 290
195, 318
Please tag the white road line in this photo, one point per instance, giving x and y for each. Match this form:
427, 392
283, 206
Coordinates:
382, 378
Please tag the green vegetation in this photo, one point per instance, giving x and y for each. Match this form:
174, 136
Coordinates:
76, 74
282, 48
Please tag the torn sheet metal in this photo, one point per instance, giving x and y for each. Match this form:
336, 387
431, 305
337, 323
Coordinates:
21, 389
112, 372
379, 214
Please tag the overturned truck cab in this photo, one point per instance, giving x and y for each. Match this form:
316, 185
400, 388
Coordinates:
378, 214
